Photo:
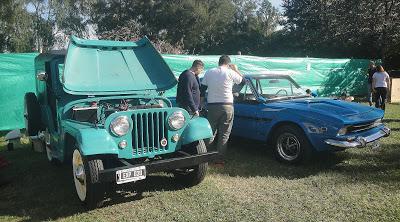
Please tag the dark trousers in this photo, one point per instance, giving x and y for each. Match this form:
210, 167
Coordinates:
380, 97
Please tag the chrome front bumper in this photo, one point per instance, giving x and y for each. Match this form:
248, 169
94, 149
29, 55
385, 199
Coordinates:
359, 141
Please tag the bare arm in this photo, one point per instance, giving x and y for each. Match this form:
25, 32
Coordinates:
235, 68
388, 82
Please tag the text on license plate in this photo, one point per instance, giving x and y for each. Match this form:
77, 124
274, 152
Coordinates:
130, 175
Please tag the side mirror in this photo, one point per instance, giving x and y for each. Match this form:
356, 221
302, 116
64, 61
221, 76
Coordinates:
41, 76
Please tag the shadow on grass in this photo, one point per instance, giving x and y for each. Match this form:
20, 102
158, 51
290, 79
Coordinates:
362, 165
380, 167
249, 158
39, 191
391, 120
134, 191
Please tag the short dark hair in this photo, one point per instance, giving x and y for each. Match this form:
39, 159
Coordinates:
224, 60
197, 63
380, 68
308, 91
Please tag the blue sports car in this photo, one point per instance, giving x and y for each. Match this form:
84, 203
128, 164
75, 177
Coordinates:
275, 109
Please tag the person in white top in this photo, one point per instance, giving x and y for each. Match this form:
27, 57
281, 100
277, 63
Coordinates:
219, 82
380, 85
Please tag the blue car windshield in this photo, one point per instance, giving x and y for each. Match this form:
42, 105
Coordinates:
271, 88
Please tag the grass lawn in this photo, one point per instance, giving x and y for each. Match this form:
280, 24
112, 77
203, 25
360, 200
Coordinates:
354, 185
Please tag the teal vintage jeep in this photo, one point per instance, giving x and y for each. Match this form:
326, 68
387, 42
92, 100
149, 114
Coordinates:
100, 104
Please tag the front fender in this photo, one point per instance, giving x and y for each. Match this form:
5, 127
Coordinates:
91, 140
198, 128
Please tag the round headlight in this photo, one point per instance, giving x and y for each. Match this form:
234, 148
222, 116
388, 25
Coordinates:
177, 120
342, 131
120, 125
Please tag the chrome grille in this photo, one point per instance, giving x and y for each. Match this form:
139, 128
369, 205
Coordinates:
363, 126
149, 128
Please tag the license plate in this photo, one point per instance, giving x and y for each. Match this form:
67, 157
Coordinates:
130, 175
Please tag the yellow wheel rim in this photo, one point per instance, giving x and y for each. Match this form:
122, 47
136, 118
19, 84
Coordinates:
78, 171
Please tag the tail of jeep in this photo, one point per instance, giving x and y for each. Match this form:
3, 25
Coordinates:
100, 106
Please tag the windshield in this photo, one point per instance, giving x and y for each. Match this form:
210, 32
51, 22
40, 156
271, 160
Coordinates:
277, 87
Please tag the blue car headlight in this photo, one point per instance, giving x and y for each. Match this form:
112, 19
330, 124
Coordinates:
355, 128
342, 131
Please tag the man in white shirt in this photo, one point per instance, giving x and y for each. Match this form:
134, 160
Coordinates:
219, 82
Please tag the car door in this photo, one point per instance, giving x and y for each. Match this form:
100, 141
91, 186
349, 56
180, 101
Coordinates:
264, 116
246, 108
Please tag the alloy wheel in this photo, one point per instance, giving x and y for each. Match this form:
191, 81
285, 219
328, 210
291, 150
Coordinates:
288, 146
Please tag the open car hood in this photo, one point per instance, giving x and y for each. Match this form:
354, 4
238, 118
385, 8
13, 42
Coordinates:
100, 67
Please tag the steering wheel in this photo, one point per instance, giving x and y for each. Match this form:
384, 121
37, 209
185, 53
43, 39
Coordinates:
281, 90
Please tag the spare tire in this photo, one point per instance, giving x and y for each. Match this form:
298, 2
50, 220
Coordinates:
32, 114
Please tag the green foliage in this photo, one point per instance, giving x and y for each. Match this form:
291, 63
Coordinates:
345, 28
16, 32
331, 28
189, 25
250, 30
71, 16
195, 24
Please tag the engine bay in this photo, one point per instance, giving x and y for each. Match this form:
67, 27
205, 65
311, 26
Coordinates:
97, 111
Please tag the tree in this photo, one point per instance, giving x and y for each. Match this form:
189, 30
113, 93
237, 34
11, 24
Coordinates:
251, 29
345, 28
267, 18
197, 26
16, 33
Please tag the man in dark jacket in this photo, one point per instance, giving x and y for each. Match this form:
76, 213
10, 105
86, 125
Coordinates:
371, 71
188, 92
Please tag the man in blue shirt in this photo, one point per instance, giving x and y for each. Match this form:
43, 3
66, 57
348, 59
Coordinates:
188, 91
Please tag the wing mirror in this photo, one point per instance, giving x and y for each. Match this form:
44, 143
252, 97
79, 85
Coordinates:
41, 76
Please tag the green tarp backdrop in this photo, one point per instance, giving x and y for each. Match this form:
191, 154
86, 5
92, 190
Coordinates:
329, 76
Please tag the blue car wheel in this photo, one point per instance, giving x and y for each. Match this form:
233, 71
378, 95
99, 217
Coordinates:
288, 146
291, 145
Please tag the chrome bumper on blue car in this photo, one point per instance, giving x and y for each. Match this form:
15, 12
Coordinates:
359, 141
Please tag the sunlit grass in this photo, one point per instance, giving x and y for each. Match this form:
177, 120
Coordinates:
355, 185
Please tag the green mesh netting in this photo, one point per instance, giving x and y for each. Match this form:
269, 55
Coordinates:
16, 78
328, 76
